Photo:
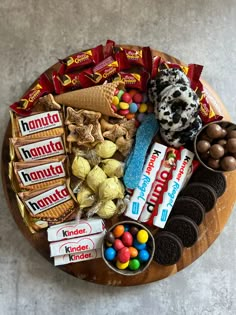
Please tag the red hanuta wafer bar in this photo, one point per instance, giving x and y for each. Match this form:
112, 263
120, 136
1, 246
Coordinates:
40, 174
37, 149
50, 204
24, 106
36, 125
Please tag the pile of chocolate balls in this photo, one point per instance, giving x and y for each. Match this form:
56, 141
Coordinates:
216, 146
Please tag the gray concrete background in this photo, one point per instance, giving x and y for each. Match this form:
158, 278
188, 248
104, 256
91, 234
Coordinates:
32, 35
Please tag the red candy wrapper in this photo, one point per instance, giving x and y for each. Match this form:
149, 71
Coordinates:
134, 80
156, 61
24, 106
82, 59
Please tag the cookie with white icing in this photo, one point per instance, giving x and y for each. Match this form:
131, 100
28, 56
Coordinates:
177, 107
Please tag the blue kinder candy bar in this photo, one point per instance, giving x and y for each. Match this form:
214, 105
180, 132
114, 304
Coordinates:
135, 162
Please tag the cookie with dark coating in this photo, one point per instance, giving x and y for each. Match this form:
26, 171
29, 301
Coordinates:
184, 227
189, 207
216, 180
202, 192
168, 248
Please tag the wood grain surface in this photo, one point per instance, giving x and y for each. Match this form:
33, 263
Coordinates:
96, 270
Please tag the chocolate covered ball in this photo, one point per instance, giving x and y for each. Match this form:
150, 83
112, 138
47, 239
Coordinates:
223, 133
203, 146
215, 164
231, 134
231, 145
204, 156
222, 142
133, 230
228, 163
214, 131
204, 136
216, 151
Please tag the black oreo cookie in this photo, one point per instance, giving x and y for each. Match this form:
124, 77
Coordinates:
184, 227
168, 249
216, 180
202, 192
189, 207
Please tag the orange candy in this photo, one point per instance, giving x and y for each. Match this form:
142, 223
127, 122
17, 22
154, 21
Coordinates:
118, 231
130, 116
133, 252
132, 92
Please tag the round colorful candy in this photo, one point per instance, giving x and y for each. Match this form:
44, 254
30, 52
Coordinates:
134, 264
115, 100
123, 112
110, 253
143, 255
140, 117
118, 244
138, 245
126, 97
110, 237
120, 93
143, 108
123, 255
130, 116
138, 98
134, 230
133, 252
121, 265
114, 108
133, 108
127, 239
126, 226
145, 98
124, 105
142, 236
118, 230
133, 92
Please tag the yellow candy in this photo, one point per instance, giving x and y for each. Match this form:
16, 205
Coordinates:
122, 266
124, 105
143, 108
115, 100
142, 236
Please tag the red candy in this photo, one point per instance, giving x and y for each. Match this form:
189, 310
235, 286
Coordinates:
123, 255
137, 98
126, 97
118, 244
127, 239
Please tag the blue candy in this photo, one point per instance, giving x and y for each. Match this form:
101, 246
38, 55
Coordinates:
138, 245
133, 107
143, 255
110, 253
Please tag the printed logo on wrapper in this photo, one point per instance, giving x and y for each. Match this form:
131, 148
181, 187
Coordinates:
42, 149
73, 258
140, 194
41, 173
76, 245
39, 122
175, 184
48, 199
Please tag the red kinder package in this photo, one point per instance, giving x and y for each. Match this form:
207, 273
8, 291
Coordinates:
82, 59
24, 105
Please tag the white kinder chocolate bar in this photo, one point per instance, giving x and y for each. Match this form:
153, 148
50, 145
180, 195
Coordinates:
77, 257
174, 186
161, 178
75, 229
140, 194
76, 245
39, 122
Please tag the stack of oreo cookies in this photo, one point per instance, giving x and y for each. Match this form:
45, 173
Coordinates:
182, 228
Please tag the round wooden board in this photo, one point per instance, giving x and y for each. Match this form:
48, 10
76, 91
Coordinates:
96, 270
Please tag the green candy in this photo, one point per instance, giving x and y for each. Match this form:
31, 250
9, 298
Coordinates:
134, 264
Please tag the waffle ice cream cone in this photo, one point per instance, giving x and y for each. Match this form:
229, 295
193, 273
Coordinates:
96, 98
